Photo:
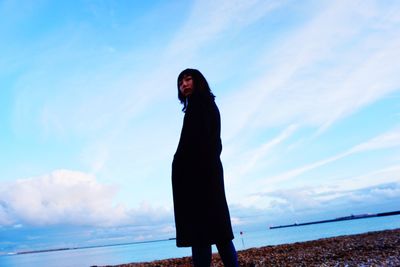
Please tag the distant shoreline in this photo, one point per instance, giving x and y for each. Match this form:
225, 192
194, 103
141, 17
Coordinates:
380, 248
87, 247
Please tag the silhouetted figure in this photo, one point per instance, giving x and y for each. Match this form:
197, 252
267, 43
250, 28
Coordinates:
201, 211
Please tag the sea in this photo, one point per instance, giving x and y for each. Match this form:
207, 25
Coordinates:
113, 255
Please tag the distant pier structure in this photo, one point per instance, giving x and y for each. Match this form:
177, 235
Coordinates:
345, 218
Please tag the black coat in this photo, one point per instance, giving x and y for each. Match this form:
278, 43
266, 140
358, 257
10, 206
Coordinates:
201, 211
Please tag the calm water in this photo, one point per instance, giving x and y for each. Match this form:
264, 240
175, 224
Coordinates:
167, 249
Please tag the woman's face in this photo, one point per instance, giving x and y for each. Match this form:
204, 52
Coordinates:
186, 86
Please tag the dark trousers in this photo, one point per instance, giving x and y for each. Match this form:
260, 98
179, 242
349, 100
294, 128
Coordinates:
202, 255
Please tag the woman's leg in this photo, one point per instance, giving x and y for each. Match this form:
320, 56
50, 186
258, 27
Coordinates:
228, 254
201, 256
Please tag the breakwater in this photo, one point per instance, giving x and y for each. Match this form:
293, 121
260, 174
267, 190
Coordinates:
351, 217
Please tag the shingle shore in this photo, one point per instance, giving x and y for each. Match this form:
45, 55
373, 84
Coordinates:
380, 248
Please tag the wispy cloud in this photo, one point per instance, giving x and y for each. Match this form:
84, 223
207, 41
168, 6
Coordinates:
328, 68
253, 157
200, 30
386, 140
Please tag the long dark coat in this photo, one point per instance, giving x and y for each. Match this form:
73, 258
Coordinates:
201, 212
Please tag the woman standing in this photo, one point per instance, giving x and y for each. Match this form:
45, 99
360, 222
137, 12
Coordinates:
201, 212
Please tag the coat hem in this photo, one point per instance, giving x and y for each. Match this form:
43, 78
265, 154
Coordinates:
191, 244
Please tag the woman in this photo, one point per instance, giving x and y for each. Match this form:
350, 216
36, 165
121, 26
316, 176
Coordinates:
201, 212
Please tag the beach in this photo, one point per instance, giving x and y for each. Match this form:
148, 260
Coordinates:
380, 248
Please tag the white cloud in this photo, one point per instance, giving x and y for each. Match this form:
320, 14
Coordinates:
390, 174
236, 221
69, 197
294, 199
320, 200
387, 192
5, 218
61, 197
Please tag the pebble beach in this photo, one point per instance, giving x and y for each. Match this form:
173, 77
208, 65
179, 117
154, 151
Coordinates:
381, 248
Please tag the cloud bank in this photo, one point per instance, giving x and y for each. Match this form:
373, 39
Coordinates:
66, 197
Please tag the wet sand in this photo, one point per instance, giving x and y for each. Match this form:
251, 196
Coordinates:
380, 248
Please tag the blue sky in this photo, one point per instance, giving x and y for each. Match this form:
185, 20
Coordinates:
309, 99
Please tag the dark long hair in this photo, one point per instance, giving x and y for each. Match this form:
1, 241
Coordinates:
200, 85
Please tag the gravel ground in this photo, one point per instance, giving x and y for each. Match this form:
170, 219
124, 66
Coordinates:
370, 249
